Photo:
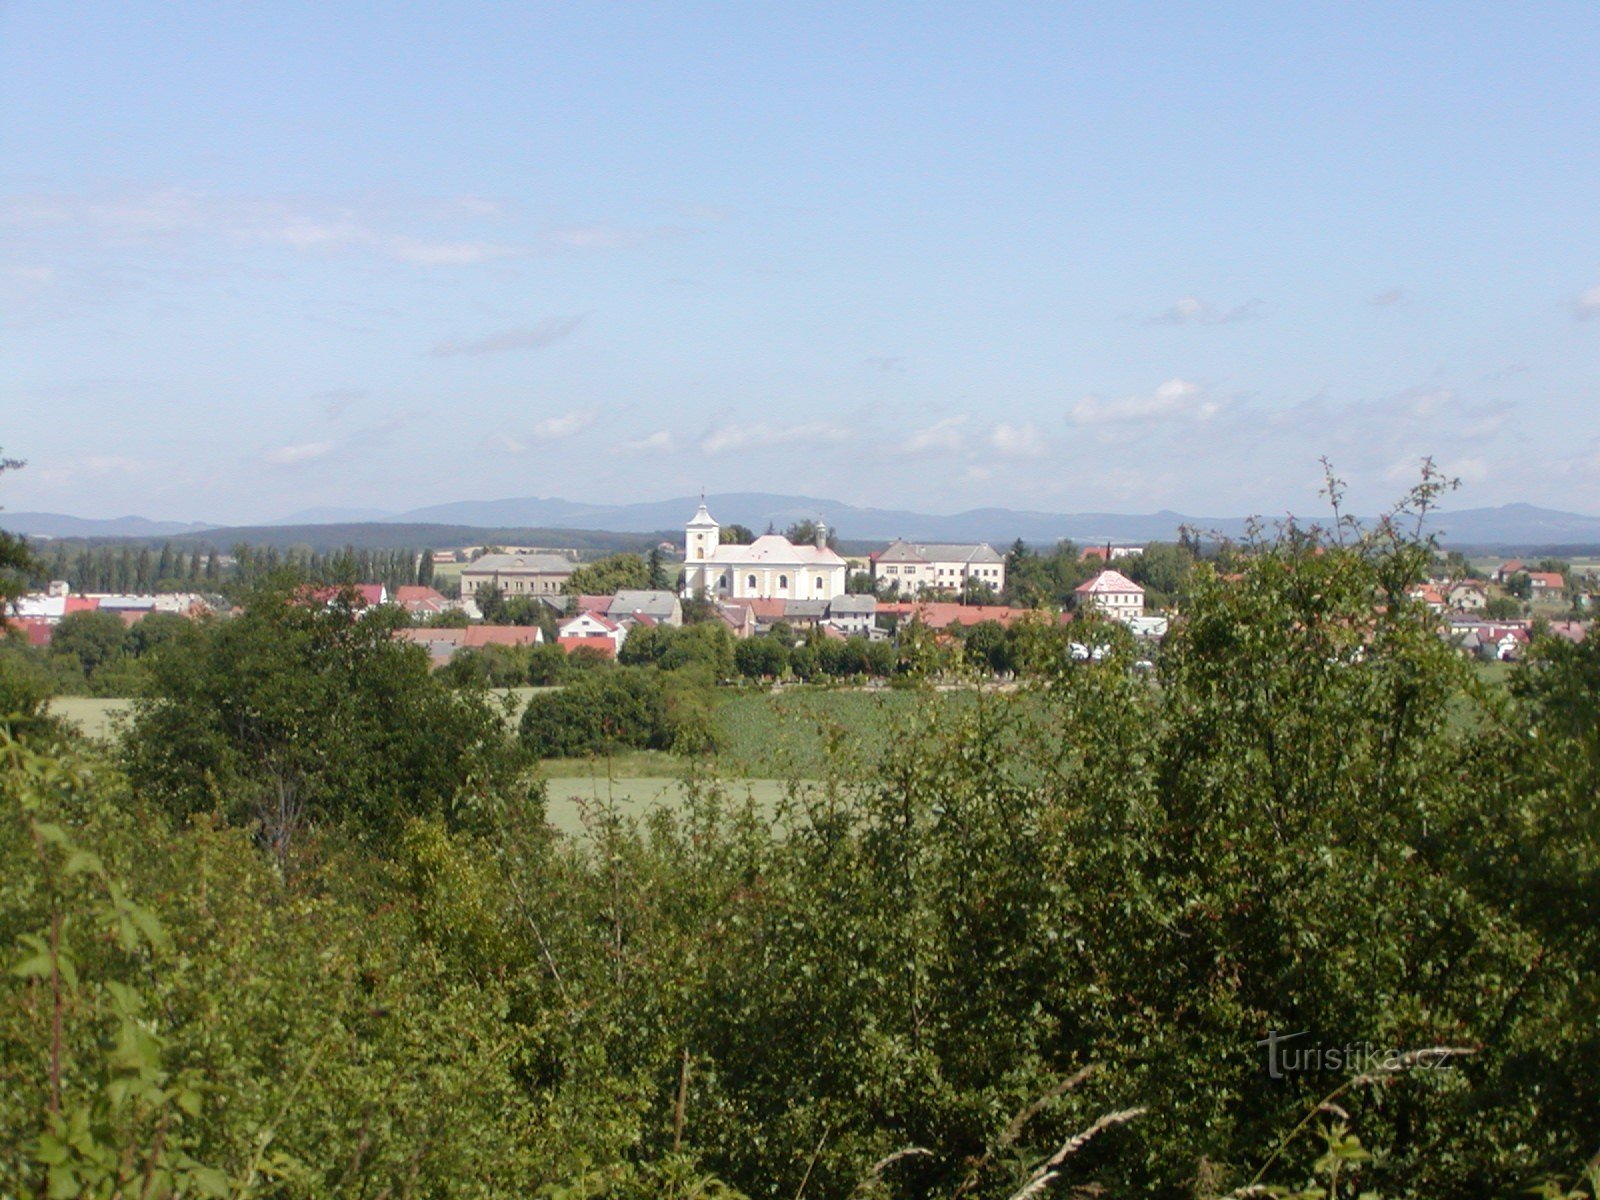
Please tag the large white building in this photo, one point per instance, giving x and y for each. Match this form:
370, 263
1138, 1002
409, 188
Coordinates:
769, 568
518, 574
938, 567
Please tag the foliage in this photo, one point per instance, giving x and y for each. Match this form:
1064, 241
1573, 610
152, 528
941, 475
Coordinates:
992, 942
602, 712
299, 713
607, 576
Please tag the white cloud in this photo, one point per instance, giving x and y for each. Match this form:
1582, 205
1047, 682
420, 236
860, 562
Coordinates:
761, 436
303, 224
1191, 310
1017, 441
659, 442
1179, 399
528, 337
1587, 305
304, 452
551, 429
602, 236
946, 436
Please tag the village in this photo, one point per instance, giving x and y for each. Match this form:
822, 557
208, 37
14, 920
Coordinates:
797, 588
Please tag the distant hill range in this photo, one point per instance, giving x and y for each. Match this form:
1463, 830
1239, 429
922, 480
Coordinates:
556, 522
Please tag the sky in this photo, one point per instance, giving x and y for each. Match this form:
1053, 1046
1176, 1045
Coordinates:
257, 259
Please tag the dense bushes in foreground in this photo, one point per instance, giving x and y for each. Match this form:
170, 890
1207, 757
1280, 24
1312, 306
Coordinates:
924, 976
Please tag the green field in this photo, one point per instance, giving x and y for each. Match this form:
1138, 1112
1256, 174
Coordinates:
92, 714
573, 798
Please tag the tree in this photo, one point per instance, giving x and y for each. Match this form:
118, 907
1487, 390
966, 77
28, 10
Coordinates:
491, 601
16, 561
1502, 608
298, 714
607, 576
96, 639
735, 535
763, 657
657, 568
425, 569
804, 532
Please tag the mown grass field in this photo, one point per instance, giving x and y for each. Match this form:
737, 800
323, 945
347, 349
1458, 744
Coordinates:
94, 715
767, 741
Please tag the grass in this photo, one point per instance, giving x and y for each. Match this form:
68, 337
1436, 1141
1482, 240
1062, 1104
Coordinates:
92, 714
571, 795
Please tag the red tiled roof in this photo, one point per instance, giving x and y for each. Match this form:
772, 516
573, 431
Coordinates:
942, 614
604, 646
1546, 579
80, 604
767, 610
501, 635
1108, 581
605, 622
416, 599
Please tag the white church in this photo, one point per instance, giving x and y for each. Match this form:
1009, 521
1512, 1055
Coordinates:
769, 568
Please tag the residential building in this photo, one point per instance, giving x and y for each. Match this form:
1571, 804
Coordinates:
591, 628
1468, 596
769, 568
916, 567
1105, 553
1112, 593
1547, 585
531, 575
853, 615
443, 644
420, 601
664, 608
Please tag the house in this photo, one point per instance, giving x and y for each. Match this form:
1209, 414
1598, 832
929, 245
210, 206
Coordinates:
593, 629
531, 575
943, 614
359, 595
664, 608
1429, 595
1467, 596
50, 605
853, 615
1547, 585
769, 568
1112, 593
1507, 569
420, 601
938, 566
444, 644
1570, 631
1108, 552
739, 618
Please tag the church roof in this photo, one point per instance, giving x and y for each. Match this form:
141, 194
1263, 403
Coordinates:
702, 518
774, 550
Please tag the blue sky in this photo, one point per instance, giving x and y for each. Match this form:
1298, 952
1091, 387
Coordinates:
259, 258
